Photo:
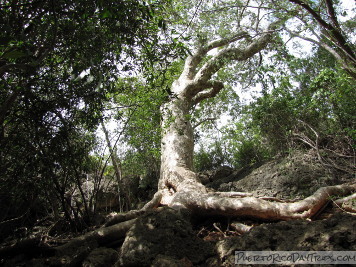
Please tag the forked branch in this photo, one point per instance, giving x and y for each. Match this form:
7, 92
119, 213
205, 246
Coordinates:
215, 88
192, 62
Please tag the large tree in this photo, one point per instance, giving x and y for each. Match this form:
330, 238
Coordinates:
195, 84
178, 184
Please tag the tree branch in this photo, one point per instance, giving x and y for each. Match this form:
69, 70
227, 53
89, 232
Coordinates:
333, 32
215, 86
331, 12
202, 121
193, 61
228, 54
344, 63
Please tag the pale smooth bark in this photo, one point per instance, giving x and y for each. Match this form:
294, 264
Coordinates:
194, 85
178, 182
210, 204
116, 164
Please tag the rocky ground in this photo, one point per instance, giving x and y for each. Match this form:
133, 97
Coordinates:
295, 176
168, 237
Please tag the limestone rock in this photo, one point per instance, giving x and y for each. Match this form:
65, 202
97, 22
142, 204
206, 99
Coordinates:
163, 237
101, 257
335, 233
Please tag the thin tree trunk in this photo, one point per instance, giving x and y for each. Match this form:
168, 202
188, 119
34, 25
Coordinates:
117, 168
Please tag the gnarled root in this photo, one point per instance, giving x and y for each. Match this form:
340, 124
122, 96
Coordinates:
122, 217
231, 204
210, 204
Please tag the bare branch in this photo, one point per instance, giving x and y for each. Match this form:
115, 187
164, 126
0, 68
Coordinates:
215, 86
331, 12
193, 61
333, 32
229, 54
344, 63
225, 41
202, 121
195, 83
227, 7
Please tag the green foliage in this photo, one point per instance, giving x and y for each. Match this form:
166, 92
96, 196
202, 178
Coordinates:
326, 105
138, 101
241, 145
336, 89
208, 158
299, 100
247, 153
274, 114
59, 61
65, 64
244, 143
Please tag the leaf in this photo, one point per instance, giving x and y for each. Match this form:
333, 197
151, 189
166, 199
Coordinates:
106, 14
15, 54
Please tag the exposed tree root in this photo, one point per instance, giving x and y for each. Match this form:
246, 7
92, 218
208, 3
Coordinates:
241, 228
102, 235
347, 204
227, 204
122, 217
76, 250
215, 204
259, 208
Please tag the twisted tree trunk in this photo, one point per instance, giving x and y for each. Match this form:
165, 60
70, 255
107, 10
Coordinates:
178, 184
194, 85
